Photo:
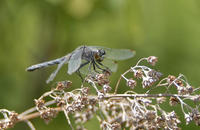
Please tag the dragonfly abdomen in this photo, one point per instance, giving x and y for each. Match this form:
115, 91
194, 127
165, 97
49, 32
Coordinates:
45, 64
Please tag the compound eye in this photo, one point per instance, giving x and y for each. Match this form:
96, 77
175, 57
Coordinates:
102, 52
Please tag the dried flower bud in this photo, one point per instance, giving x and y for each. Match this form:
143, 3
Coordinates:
78, 104
152, 60
138, 73
48, 114
107, 72
182, 90
196, 117
85, 91
189, 89
13, 117
63, 85
102, 79
150, 115
70, 109
116, 126
131, 83
155, 74
92, 101
148, 82
60, 102
160, 121
80, 127
173, 101
170, 79
173, 119
106, 88
39, 103
179, 83
188, 118
196, 99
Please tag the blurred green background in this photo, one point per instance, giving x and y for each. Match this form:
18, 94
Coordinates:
33, 31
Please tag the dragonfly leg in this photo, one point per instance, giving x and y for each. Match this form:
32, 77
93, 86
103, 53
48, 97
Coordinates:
99, 66
94, 67
82, 65
102, 65
106, 68
78, 71
79, 74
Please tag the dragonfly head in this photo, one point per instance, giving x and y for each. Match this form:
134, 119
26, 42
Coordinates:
100, 55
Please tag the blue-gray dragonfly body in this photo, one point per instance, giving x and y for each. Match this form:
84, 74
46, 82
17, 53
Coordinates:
84, 55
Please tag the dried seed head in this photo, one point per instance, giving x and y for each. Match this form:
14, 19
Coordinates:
152, 60
131, 83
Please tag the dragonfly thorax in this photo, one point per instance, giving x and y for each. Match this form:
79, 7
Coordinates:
90, 55
99, 55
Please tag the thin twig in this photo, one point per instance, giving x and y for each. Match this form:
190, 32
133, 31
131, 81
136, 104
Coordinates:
117, 85
30, 125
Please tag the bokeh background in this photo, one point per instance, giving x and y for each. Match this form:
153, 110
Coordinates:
33, 31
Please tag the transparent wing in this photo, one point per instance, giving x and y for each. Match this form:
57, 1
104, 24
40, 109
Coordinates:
116, 54
75, 61
112, 65
87, 69
53, 75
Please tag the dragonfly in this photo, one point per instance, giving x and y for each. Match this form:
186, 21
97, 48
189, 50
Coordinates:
93, 56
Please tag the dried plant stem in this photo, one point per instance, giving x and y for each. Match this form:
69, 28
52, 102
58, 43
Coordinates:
34, 108
36, 114
117, 85
67, 117
149, 95
25, 117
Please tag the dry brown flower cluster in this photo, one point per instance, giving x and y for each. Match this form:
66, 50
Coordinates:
116, 111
